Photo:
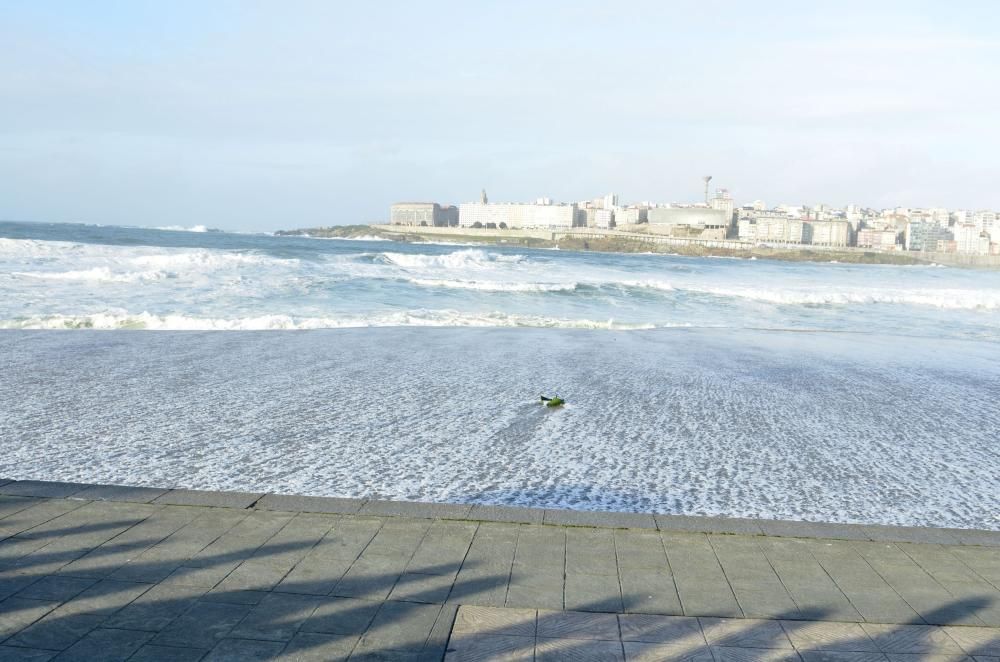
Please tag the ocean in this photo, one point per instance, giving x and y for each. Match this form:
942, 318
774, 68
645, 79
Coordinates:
709, 386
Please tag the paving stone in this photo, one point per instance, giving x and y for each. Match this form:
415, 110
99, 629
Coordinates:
534, 596
309, 504
155, 653
828, 636
512, 514
13, 580
911, 638
314, 647
841, 656
234, 597
57, 630
975, 537
18, 613
414, 587
927, 657
120, 493
181, 497
10, 505
577, 650
577, 625
56, 588
106, 645
744, 633
105, 597
202, 626
975, 640
645, 592
41, 488
732, 654
730, 525
600, 593
347, 616
156, 608
16, 654
495, 621
399, 626
647, 652
674, 630
490, 648
595, 518
415, 509
277, 617
244, 650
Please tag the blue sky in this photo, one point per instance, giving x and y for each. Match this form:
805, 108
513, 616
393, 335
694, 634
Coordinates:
265, 115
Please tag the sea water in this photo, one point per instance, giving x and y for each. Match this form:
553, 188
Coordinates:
694, 385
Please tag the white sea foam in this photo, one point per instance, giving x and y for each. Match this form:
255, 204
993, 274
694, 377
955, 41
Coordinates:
494, 286
463, 259
951, 299
96, 275
117, 319
181, 228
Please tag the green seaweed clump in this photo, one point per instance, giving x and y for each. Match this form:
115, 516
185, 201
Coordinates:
553, 402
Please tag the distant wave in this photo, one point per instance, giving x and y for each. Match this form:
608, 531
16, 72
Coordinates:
441, 318
494, 286
193, 228
96, 275
466, 258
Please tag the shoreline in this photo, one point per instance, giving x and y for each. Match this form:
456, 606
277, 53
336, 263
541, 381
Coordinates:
613, 241
498, 513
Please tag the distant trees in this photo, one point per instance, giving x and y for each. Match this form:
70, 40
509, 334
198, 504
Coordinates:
477, 225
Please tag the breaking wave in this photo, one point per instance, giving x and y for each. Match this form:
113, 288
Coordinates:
463, 259
441, 318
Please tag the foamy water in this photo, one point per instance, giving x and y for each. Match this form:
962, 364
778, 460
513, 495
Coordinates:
699, 386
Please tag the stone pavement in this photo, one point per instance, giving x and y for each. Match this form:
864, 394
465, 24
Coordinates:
122, 573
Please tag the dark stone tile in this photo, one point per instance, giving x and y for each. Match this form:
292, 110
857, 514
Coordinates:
56, 588
154, 653
416, 509
15, 654
315, 647
42, 488
975, 537
277, 617
341, 616
310, 504
512, 514
57, 631
106, 645
202, 626
120, 493
244, 650
596, 518
732, 525
181, 497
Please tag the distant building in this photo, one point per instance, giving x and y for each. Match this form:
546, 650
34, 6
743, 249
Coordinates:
883, 240
493, 215
772, 227
923, 234
428, 214
970, 239
724, 203
826, 233
604, 218
693, 216
630, 216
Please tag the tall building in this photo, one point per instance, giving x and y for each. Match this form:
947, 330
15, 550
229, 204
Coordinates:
923, 234
724, 203
826, 233
427, 214
970, 239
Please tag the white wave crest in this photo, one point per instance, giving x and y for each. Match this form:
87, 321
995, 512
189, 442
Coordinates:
96, 275
181, 228
494, 286
950, 299
430, 318
463, 259
207, 259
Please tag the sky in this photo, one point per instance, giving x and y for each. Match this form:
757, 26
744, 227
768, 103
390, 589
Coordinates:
257, 116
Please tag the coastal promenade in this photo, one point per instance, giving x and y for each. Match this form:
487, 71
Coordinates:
127, 573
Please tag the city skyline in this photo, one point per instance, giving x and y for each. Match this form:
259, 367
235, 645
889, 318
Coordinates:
259, 116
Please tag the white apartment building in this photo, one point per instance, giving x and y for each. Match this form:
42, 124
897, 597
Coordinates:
827, 233
774, 228
970, 239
